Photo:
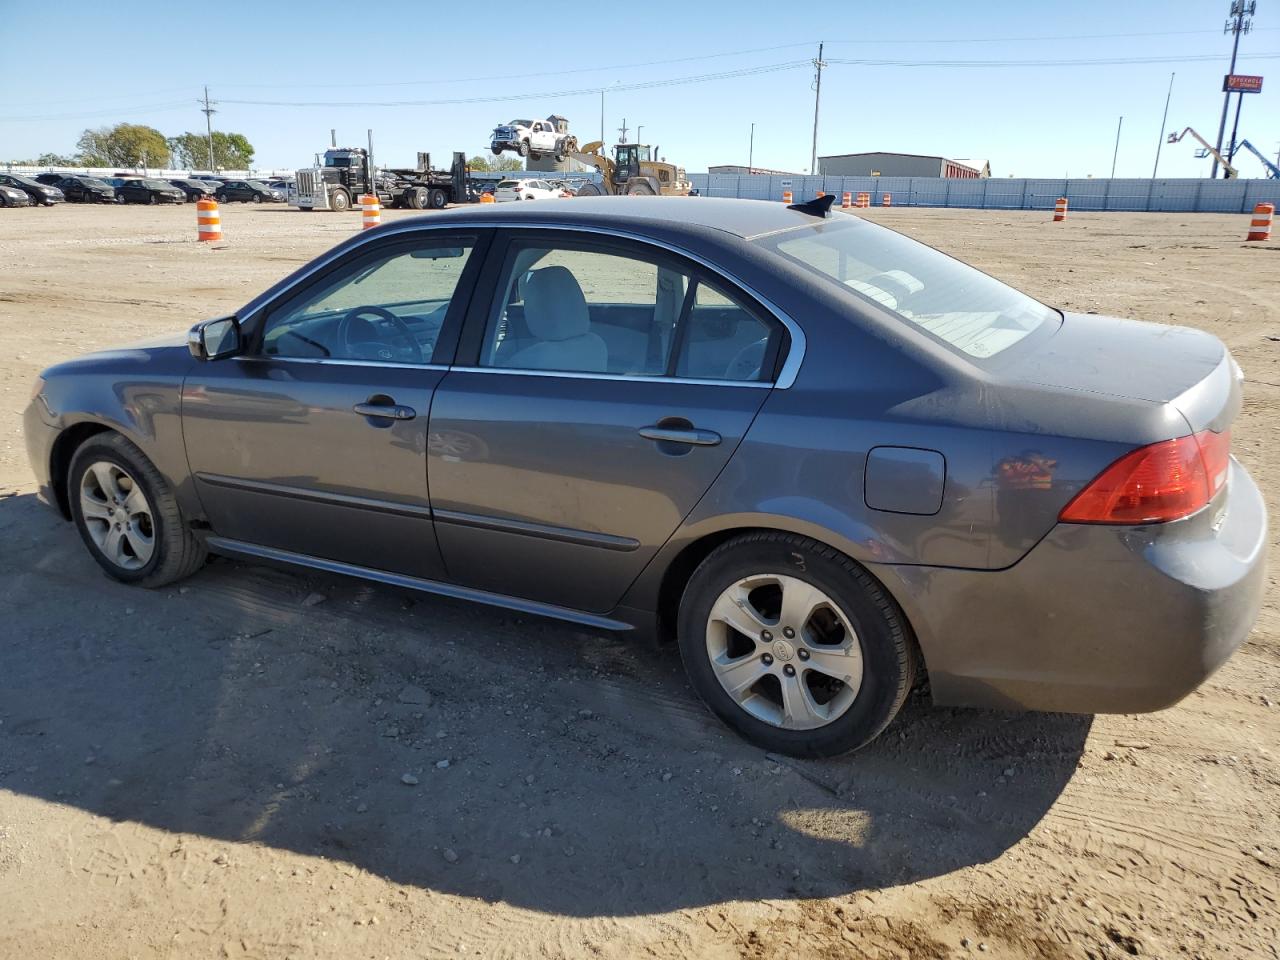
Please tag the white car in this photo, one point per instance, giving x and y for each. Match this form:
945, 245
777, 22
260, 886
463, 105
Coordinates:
532, 138
524, 190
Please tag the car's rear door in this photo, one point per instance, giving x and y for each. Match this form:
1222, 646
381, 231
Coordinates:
565, 448
314, 442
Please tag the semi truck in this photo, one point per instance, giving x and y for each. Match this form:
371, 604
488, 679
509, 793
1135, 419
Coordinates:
346, 174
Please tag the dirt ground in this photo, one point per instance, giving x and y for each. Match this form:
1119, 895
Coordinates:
215, 770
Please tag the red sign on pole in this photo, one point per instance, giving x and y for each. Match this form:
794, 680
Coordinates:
1241, 83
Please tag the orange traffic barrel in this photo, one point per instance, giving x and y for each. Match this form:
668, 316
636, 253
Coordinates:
371, 210
1060, 210
786, 196
864, 199
820, 194
846, 200
208, 222
1260, 227
486, 198
887, 200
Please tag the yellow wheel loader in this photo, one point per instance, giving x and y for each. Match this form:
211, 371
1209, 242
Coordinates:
633, 171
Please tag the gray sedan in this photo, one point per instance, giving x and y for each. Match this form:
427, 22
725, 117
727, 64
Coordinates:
829, 461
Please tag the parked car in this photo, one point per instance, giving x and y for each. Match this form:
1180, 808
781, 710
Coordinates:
48, 179
149, 191
80, 189
13, 197
248, 191
194, 189
528, 189
823, 455
40, 194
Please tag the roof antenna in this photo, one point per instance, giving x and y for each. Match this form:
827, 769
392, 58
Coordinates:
817, 207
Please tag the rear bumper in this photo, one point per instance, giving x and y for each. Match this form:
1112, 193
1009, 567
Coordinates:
1095, 619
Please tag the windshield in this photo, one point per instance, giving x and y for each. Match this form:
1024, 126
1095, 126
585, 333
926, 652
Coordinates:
25, 181
956, 304
158, 184
520, 123
93, 182
257, 184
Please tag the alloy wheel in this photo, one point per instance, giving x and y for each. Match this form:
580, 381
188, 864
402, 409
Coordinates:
117, 515
784, 651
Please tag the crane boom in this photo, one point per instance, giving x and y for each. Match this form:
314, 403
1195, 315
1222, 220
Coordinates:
1273, 172
1230, 170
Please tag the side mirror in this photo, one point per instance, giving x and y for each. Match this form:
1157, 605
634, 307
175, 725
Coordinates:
215, 339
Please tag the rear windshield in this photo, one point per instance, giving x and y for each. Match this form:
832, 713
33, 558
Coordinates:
960, 306
158, 184
509, 183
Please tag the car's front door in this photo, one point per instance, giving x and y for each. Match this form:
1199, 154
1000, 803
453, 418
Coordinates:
595, 400
314, 441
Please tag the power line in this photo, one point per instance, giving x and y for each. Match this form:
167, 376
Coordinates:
1045, 62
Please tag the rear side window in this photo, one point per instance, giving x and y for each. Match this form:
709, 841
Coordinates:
581, 308
961, 307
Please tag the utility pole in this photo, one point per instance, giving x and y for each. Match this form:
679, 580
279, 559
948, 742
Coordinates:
208, 112
1235, 128
817, 100
1238, 22
623, 130
602, 118
1116, 154
1163, 122
751, 151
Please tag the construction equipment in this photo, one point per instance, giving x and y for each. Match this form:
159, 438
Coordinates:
632, 172
1273, 171
1206, 151
346, 175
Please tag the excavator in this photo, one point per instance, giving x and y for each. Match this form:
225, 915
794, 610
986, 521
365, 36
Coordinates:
633, 171
1207, 151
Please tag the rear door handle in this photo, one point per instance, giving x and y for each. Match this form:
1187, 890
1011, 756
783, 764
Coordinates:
385, 411
691, 435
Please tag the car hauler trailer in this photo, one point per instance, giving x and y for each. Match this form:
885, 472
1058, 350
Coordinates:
346, 175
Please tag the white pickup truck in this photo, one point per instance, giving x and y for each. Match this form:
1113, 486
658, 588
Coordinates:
532, 138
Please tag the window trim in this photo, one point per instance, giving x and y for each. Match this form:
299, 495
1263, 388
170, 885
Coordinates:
508, 240
450, 328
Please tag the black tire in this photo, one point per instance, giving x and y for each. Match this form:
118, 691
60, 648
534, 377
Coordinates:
420, 198
437, 199
152, 199
340, 201
639, 188
589, 189
178, 551
524, 148
888, 664
256, 198
496, 151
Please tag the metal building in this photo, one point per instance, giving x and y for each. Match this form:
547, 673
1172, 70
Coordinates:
897, 165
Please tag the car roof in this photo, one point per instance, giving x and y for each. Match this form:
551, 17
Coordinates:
746, 219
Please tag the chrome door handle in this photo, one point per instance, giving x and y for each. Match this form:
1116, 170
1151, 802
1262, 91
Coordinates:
386, 411
698, 438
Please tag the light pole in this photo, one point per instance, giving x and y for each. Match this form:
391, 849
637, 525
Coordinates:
751, 151
1116, 154
817, 100
1236, 24
1163, 122
639, 127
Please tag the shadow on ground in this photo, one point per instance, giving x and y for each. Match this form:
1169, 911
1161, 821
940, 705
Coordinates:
582, 776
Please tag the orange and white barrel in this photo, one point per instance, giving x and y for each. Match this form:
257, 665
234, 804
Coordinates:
887, 200
370, 210
1260, 227
820, 194
846, 200
208, 221
1060, 210
786, 196
486, 198
864, 199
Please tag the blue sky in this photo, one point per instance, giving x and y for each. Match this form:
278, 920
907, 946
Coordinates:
149, 66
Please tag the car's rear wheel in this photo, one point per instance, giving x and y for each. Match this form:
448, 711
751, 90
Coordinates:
127, 515
256, 198
524, 148
794, 645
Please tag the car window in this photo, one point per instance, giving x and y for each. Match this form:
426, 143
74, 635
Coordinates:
723, 340
386, 308
961, 307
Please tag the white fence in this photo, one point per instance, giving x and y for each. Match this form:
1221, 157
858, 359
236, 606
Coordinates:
1172, 196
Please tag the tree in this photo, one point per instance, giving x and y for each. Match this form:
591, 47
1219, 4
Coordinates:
231, 151
49, 160
124, 145
502, 164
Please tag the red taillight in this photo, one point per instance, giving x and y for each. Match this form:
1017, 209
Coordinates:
1161, 482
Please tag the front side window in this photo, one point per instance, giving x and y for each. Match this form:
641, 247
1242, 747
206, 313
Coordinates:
961, 307
387, 308
583, 308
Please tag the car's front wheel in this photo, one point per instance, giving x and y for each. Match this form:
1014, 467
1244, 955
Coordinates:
128, 516
794, 645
